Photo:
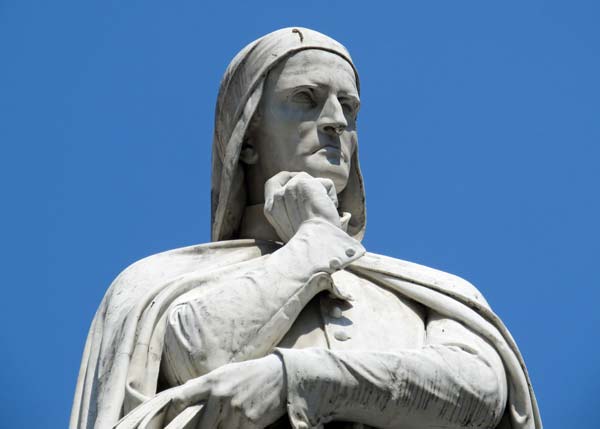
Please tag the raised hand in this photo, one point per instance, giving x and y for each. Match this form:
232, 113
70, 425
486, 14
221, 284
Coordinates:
293, 198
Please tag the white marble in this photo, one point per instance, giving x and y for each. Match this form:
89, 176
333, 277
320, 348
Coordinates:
285, 320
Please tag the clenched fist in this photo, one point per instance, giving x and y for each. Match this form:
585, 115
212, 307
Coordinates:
293, 198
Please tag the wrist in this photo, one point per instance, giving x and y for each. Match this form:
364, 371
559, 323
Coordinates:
310, 373
316, 221
277, 369
327, 246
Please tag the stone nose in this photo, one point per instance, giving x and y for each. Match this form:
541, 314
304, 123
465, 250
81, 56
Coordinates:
332, 120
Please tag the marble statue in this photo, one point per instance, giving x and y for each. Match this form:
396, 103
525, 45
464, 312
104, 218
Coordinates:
284, 320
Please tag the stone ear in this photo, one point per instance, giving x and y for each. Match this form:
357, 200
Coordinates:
248, 154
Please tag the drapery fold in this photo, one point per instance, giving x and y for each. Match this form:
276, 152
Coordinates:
121, 363
122, 356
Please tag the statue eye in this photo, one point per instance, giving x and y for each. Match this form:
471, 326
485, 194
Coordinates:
304, 96
349, 105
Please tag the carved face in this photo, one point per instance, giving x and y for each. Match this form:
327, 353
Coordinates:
307, 117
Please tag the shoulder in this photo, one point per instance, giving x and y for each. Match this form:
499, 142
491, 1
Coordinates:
160, 268
421, 274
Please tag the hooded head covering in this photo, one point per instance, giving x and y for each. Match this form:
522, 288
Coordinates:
239, 95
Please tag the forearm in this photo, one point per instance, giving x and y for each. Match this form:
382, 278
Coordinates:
245, 314
436, 386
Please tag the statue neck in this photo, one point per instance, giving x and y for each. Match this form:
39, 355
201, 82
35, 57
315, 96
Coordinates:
255, 225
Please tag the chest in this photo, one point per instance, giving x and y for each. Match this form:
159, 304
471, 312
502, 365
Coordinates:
375, 319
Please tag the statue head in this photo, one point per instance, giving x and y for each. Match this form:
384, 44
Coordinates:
287, 102
305, 121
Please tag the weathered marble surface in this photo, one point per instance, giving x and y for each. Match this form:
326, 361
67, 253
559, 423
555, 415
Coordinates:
285, 320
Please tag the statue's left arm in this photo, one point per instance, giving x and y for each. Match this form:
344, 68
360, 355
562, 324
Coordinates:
456, 380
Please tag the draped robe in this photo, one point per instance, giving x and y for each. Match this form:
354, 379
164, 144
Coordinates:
123, 355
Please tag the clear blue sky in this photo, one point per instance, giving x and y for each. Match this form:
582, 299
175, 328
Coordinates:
479, 139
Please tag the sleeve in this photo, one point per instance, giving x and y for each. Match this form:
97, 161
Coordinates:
245, 314
456, 380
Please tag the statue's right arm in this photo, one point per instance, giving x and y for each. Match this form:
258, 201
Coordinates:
245, 314
455, 380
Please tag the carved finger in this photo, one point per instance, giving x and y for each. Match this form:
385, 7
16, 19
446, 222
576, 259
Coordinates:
277, 182
345, 220
279, 229
301, 187
276, 214
293, 204
330, 188
298, 177
192, 393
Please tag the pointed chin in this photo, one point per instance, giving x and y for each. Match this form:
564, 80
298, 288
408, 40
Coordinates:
331, 166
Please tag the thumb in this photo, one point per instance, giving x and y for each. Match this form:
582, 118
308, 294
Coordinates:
193, 392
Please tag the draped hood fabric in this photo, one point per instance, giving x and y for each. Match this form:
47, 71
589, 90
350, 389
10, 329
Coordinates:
239, 96
121, 360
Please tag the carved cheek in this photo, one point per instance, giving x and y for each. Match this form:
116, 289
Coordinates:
353, 142
307, 129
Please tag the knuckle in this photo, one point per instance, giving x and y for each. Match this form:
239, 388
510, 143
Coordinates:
219, 392
236, 405
306, 183
252, 416
291, 188
305, 179
209, 380
178, 404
